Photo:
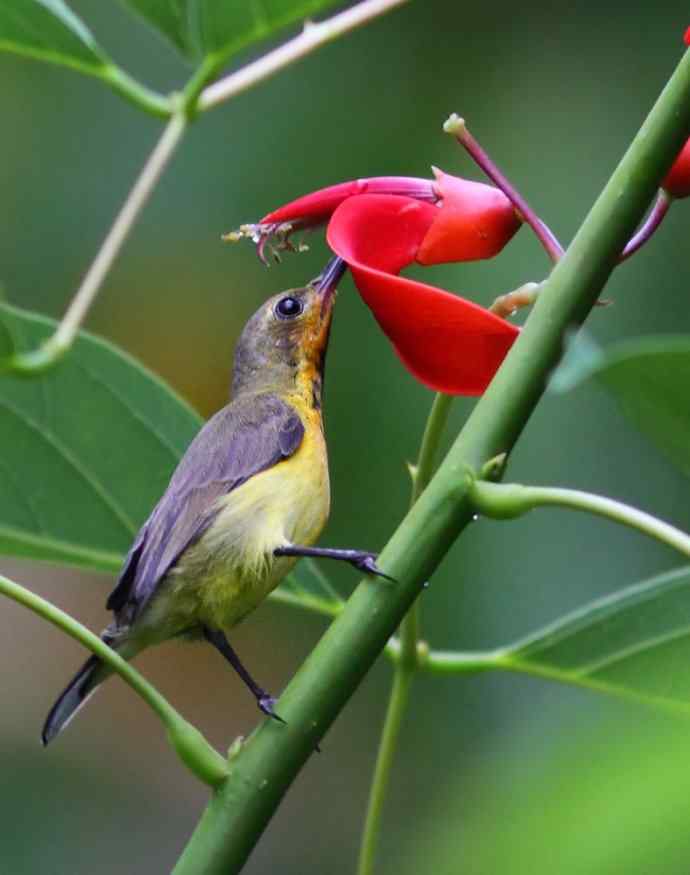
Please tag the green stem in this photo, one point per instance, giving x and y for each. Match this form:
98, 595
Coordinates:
459, 662
145, 98
190, 95
449, 662
397, 705
431, 441
267, 765
51, 351
407, 659
421, 475
508, 500
188, 742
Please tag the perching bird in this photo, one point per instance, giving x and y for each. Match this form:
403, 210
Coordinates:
247, 499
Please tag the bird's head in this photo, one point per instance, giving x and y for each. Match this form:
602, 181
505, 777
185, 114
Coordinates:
283, 345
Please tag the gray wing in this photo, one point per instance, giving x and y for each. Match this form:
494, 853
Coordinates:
244, 438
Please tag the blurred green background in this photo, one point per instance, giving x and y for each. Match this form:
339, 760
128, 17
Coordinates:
495, 774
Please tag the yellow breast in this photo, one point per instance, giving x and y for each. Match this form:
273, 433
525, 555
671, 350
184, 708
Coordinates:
288, 503
231, 569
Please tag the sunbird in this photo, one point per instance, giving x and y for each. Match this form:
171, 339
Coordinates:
248, 498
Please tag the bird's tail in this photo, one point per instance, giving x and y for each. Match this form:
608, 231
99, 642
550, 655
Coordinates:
78, 691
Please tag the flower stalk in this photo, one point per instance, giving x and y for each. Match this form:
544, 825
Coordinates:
656, 216
456, 126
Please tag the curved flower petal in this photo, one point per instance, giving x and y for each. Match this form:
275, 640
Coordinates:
317, 207
448, 343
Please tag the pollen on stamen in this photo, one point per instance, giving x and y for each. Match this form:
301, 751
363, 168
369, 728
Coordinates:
244, 232
271, 236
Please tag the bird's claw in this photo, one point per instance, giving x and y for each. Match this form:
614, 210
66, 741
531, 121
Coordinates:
266, 704
367, 563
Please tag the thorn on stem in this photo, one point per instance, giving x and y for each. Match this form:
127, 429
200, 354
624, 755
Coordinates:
493, 469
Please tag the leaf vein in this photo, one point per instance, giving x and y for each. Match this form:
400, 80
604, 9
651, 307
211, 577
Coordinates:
150, 426
87, 476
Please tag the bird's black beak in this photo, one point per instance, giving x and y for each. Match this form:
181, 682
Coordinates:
327, 282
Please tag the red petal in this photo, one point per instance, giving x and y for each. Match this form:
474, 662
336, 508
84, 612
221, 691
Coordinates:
384, 230
448, 343
319, 205
686, 37
677, 181
475, 221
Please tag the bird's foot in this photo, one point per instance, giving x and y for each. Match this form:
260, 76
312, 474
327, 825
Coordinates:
266, 704
366, 562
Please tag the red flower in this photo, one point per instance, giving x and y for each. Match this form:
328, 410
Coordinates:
677, 180
381, 225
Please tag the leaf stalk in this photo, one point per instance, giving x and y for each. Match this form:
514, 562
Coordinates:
158, 105
509, 500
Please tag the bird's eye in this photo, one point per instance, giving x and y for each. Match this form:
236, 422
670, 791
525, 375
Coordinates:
288, 308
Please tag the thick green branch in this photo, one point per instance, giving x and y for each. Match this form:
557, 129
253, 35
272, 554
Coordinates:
268, 763
191, 746
509, 500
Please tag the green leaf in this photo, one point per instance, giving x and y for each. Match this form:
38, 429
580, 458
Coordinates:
201, 28
7, 347
635, 643
582, 357
87, 450
586, 797
650, 378
308, 587
50, 31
